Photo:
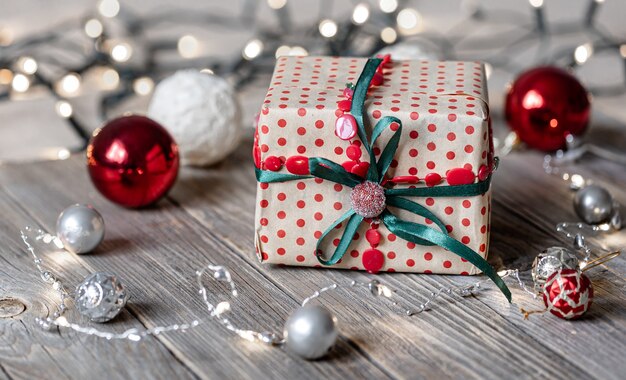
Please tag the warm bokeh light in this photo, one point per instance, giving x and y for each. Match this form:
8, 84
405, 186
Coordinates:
328, 28
188, 46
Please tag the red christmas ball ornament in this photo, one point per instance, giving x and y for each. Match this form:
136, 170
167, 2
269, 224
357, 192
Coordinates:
546, 104
568, 293
132, 161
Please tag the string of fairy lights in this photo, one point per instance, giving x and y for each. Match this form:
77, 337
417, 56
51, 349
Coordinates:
371, 26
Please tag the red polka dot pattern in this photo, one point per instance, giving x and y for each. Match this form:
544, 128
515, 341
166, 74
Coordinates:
444, 127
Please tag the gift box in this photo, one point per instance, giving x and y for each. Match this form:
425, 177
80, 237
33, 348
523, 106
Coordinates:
422, 203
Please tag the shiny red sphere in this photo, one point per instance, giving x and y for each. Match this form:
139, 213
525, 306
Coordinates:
546, 104
133, 161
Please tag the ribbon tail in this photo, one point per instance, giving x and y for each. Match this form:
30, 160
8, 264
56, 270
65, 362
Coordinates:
348, 234
417, 209
416, 232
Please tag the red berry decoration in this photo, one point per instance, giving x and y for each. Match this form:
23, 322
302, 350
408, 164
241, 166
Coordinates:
360, 169
546, 104
344, 105
432, 179
273, 163
353, 152
568, 293
483, 172
411, 179
132, 161
373, 260
297, 165
373, 237
460, 176
349, 165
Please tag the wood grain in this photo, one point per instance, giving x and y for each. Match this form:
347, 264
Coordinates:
208, 218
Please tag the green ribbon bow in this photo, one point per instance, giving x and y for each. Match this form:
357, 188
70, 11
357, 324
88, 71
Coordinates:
414, 232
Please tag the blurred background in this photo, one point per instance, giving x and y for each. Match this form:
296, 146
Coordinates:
67, 66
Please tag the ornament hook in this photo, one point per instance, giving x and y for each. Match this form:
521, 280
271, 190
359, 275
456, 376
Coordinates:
586, 265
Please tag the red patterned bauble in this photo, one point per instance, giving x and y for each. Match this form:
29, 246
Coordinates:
132, 161
546, 104
568, 293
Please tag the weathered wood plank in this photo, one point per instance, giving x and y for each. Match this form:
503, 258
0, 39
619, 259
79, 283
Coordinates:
29, 352
224, 219
157, 251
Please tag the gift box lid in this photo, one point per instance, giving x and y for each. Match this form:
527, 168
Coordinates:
443, 107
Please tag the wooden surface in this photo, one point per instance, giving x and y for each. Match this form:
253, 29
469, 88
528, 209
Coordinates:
208, 218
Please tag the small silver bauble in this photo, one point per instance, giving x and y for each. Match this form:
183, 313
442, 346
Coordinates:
310, 331
80, 228
593, 204
100, 297
551, 260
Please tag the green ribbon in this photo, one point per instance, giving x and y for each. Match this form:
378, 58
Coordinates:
414, 232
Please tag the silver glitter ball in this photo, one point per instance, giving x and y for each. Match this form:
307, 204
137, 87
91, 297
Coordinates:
551, 260
80, 228
100, 297
310, 331
593, 204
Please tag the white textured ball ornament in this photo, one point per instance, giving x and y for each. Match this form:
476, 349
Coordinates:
201, 112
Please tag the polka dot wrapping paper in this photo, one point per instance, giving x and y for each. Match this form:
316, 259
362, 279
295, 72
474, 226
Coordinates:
445, 118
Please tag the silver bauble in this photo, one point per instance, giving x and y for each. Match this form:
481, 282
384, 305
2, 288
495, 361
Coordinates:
310, 331
100, 297
593, 204
551, 260
80, 228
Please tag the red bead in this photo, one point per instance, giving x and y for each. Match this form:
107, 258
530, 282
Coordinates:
348, 165
544, 105
133, 161
405, 179
483, 172
344, 105
386, 58
373, 237
273, 163
568, 293
460, 176
360, 169
377, 79
348, 92
353, 152
256, 155
297, 165
432, 179
345, 127
373, 260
